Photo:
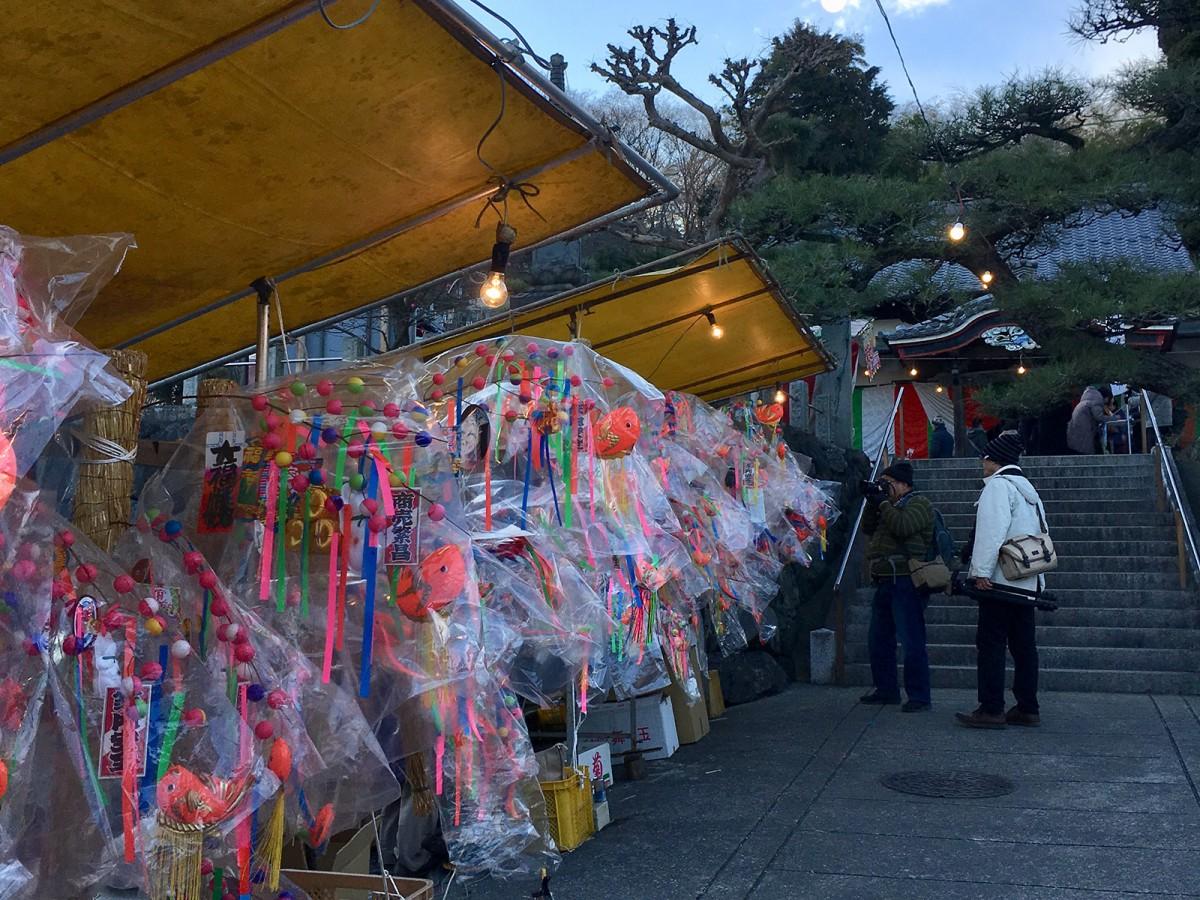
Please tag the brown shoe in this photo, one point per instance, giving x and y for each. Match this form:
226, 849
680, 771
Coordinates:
980, 719
1029, 720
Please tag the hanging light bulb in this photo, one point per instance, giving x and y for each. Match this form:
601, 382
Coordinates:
780, 396
957, 232
494, 292
940, 389
1021, 370
913, 372
833, 6
713, 328
987, 277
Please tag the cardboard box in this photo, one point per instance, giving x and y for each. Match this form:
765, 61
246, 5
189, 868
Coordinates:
598, 762
601, 814
691, 716
656, 735
716, 697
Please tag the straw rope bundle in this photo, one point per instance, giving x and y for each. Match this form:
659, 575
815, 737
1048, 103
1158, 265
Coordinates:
103, 498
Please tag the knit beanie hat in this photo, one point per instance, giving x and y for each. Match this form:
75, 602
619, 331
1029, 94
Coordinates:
901, 470
1005, 450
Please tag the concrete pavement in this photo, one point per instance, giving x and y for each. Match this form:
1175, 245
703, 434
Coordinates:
783, 800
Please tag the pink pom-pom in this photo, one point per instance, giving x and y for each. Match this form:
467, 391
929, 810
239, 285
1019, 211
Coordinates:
576, 381
334, 407
151, 671
437, 512
568, 350
65, 539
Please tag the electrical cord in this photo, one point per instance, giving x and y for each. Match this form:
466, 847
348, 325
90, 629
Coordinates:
332, 24
541, 61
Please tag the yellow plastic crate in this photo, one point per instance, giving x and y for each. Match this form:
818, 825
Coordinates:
569, 806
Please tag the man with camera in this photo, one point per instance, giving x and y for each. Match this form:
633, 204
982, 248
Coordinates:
900, 524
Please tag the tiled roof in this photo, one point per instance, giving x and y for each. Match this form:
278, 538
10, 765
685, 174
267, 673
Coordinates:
1145, 239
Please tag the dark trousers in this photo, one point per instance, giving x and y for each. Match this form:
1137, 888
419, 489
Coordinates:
899, 611
1006, 626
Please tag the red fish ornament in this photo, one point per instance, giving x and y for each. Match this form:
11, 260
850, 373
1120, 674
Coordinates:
617, 433
190, 799
430, 587
769, 413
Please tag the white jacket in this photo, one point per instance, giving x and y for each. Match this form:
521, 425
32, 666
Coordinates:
1007, 508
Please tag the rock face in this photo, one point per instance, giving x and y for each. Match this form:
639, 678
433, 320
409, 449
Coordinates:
750, 675
806, 593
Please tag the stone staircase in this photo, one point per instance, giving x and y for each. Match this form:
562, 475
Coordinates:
1124, 623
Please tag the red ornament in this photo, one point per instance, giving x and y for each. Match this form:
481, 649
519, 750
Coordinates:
607, 381
274, 421
481, 349
243, 653
151, 671
272, 441
391, 410
399, 430
370, 505
277, 699
223, 631
25, 569
334, 407
576, 381
436, 394
123, 584
260, 402
478, 382
437, 512
208, 579
510, 415
324, 387
264, 731
193, 561
65, 539
378, 523
439, 378
194, 717
219, 606
86, 573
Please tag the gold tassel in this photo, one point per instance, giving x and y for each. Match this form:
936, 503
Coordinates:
418, 779
269, 854
178, 857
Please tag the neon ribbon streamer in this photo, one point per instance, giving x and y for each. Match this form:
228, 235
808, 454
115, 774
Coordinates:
331, 607
439, 754
343, 575
268, 555
154, 732
129, 752
243, 827
370, 565
529, 461
281, 543
171, 732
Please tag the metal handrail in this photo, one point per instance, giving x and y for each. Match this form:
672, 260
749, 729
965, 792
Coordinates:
1166, 465
852, 539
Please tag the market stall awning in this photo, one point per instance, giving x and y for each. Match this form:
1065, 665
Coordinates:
248, 139
653, 320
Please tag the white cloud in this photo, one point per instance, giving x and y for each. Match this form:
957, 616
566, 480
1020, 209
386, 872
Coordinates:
917, 6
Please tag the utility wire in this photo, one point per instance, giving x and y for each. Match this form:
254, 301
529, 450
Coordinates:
541, 61
332, 24
933, 138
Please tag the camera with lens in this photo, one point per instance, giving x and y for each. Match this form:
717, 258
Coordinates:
874, 490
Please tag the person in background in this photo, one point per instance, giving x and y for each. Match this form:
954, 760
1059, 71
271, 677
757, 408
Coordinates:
900, 525
941, 442
1083, 432
1008, 507
976, 436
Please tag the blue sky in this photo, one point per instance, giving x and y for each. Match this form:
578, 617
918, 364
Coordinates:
951, 45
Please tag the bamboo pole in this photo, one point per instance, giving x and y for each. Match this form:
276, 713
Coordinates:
103, 498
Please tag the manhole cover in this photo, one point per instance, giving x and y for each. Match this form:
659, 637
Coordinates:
959, 785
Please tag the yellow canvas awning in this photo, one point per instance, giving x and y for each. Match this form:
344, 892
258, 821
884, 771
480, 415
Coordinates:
655, 323
245, 139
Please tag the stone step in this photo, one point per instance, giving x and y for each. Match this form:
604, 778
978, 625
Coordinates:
1116, 460
1054, 635
1052, 657
1084, 598
1078, 520
938, 495
1117, 507
1086, 483
1117, 549
1108, 681
1064, 616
